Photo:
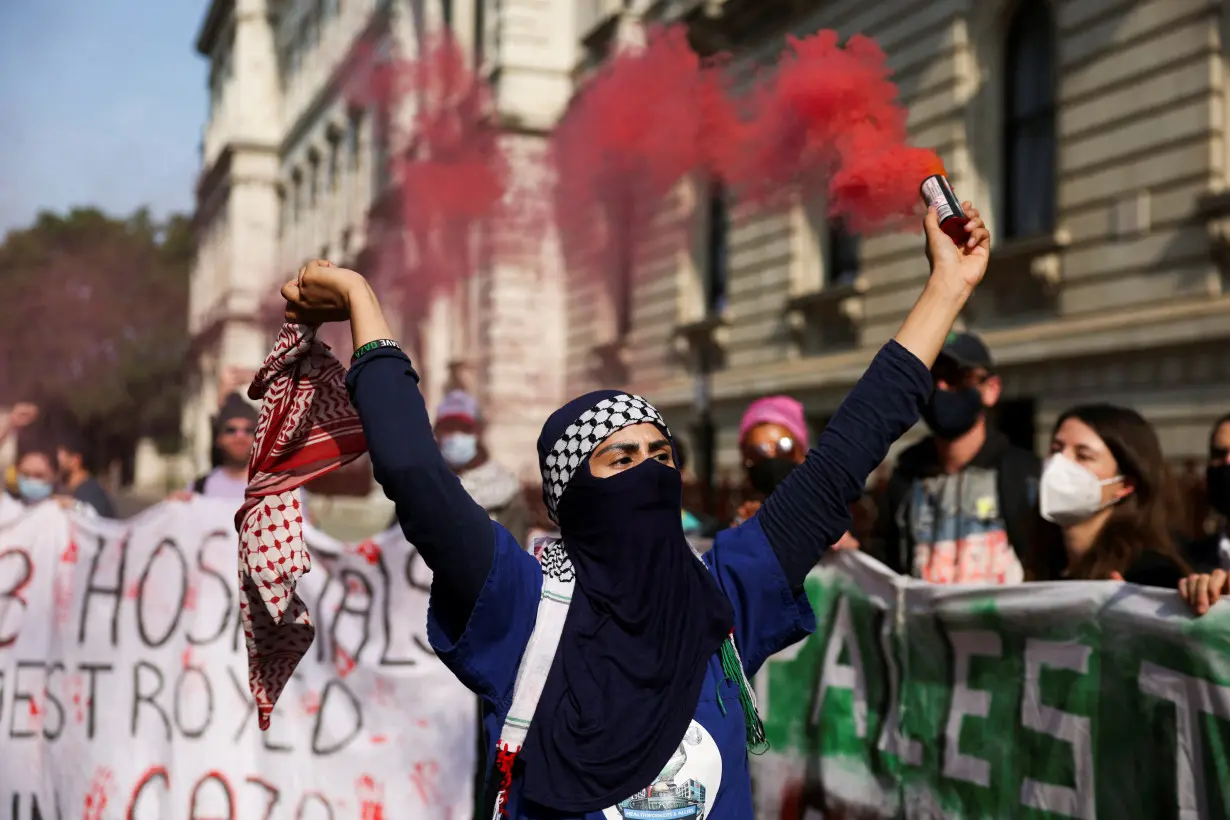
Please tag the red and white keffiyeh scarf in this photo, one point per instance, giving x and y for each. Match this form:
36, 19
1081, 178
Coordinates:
307, 427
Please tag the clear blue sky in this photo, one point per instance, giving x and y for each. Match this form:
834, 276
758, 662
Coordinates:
101, 103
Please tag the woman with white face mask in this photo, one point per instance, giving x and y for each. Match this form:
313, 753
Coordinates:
1104, 499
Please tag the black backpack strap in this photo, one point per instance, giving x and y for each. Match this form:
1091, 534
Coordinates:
1017, 485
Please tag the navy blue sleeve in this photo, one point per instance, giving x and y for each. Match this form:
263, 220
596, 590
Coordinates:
811, 509
769, 615
451, 531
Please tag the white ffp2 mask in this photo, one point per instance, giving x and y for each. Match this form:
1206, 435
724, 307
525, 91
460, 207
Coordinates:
1069, 493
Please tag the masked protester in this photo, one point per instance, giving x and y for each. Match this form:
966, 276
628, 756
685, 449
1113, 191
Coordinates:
958, 506
36, 476
640, 699
1104, 499
20, 417
494, 487
1210, 556
1213, 551
773, 441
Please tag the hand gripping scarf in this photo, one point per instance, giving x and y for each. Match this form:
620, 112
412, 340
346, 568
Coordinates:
307, 428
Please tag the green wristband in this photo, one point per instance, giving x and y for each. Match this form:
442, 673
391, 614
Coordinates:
370, 346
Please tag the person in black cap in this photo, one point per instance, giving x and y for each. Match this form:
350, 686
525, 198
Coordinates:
957, 507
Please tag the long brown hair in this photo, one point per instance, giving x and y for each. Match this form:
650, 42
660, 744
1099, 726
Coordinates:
1138, 522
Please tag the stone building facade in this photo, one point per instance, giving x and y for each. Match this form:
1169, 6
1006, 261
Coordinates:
293, 170
1092, 134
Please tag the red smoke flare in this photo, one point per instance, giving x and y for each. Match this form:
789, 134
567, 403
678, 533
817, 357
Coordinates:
829, 118
825, 119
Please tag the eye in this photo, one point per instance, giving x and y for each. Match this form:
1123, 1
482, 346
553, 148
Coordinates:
666, 457
623, 461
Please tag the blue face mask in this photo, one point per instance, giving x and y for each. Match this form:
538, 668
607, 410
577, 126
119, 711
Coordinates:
33, 490
459, 449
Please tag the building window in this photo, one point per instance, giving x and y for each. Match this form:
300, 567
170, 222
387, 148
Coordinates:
842, 265
313, 178
1029, 121
294, 57
313, 27
304, 40
334, 162
296, 197
381, 125
480, 30
355, 143
215, 88
624, 271
717, 246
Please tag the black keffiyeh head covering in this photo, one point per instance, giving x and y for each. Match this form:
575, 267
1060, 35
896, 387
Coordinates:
646, 616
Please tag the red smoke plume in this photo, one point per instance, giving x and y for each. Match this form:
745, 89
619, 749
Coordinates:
828, 118
448, 168
648, 118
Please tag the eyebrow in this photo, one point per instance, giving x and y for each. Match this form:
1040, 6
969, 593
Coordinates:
630, 447
625, 447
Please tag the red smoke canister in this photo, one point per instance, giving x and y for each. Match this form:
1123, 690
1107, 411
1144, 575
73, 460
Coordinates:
937, 193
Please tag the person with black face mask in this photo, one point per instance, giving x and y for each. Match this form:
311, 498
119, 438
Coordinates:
613, 662
772, 441
1212, 552
958, 507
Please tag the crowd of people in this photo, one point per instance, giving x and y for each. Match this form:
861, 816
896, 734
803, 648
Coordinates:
52, 464
604, 635
963, 505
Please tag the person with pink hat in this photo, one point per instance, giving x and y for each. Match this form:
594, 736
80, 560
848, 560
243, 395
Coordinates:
773, 440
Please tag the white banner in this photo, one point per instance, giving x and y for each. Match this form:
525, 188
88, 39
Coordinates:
124, 683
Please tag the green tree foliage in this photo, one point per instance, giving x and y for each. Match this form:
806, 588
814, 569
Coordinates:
94, 323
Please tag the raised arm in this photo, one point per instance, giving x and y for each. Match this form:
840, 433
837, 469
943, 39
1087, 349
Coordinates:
451, 531
811, 509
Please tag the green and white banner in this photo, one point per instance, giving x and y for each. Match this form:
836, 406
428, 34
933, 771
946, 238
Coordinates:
1077, 699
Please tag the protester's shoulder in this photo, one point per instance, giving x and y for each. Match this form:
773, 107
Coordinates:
916, 460
1018, 458
1153, 568
1203, 553
492, 485
747, 538
93, 493
513, 555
